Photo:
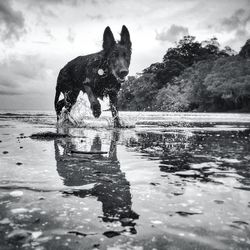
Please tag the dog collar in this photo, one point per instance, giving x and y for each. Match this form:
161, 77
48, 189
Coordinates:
100, 72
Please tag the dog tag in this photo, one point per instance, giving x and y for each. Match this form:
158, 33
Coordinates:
100, 72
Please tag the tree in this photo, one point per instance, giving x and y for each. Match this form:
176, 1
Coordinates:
186, 52
229, 82
172, 98
138, 93
245, 50
192, 76
126, 95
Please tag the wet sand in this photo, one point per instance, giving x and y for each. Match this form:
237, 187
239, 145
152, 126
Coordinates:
171, 182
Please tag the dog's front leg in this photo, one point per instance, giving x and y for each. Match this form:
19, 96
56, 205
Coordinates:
113, 145
114, 110
94, 103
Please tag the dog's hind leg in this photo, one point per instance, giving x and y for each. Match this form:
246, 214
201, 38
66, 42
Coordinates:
68, 101
57, 95
59, 106
70, 98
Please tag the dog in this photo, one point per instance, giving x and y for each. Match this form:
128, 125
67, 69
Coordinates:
99, 75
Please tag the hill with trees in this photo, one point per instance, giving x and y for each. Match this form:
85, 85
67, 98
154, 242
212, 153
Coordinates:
193, 76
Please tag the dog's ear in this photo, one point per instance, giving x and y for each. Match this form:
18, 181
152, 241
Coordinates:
125, 37
108, 39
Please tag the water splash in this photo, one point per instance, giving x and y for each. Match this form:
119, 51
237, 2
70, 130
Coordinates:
81, 116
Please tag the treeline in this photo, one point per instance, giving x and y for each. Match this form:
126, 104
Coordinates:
193, 76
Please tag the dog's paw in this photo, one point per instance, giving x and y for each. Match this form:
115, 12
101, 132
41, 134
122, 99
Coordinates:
117, 123
96, 109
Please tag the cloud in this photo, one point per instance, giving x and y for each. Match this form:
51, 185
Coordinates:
95, 17
43, 5
6, 91
49, 34
46, 2
11, 22
238, 20
23, 74
71, 35
237, 25
172, 34
7, 86
239, 39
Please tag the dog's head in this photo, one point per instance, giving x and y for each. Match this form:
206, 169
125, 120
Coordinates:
118, 54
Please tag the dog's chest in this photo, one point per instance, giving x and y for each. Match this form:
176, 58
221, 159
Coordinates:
101, 85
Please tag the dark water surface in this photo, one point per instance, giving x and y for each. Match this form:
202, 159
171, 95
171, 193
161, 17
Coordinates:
174, 181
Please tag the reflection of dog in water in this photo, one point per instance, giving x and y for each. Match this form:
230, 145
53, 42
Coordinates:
111, 188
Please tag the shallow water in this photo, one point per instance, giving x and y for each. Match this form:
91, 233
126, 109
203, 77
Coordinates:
172, 181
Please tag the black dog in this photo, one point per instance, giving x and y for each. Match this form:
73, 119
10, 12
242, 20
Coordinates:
98, 75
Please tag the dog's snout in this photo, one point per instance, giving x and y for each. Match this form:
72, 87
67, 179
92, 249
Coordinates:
123, 73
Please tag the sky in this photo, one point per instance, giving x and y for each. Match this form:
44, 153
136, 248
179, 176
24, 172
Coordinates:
38, 37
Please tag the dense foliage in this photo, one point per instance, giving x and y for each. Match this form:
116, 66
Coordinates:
192, 76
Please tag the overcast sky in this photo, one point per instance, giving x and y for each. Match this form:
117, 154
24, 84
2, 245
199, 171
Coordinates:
38, 37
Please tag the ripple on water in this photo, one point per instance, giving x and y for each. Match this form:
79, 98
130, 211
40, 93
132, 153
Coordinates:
160, 186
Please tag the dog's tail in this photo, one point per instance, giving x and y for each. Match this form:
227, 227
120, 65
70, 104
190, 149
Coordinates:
57, 95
